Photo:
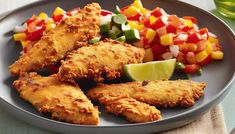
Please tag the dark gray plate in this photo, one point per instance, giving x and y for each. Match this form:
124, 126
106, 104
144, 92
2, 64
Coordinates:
217, 75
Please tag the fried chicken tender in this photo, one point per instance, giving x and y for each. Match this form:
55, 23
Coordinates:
133, 110
70, 34
159, 93
103, 60
64, 101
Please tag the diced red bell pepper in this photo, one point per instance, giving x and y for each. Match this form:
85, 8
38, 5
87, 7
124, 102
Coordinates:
171, 29
187, 29
190, 69
158, 49
205, 61
30, 20
160, 22
40, 23
135, 17
193, 19
204, 32
194, 38
145, 20
58, 18
105, 12
145, 41
156, 12
36, 35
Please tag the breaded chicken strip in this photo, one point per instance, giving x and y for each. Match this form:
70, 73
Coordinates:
64, 101
133, 110
103, 60
71, 33
159, 93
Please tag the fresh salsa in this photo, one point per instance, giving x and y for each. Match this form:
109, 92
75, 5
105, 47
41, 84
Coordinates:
163, 36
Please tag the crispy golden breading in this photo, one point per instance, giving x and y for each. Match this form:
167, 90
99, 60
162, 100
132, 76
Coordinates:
70, 34
64, 101
158, 93
133, 110
103, 60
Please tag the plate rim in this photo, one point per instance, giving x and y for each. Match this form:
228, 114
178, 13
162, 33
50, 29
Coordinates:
175, 117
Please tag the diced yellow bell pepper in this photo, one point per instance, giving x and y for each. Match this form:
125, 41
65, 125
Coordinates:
144, 11
148, 55
58, 11
19, 36
217, 55
43, 16
50, 26
213, 40
24, 44
209, 48
150, 35
130, 11
166, 39
135, 25
152, 19
137, 4
201, 56
188, 23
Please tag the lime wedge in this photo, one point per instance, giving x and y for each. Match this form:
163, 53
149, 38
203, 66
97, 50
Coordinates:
155, 70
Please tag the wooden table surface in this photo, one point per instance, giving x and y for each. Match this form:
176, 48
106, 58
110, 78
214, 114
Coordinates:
5, 119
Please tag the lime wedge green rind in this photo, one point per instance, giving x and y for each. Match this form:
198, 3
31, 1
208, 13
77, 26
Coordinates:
155, 70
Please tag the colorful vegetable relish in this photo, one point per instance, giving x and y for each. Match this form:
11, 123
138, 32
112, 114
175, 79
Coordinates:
163, 36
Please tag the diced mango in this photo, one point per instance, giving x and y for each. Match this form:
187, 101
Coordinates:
188, 23
183, 47
135, 25
209, 48
19, 36
192, 47
130, 11
148, 55
217, 55
213, 40
162, 31
166, 39
201, 56
150, 35
43, 16
58, 11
